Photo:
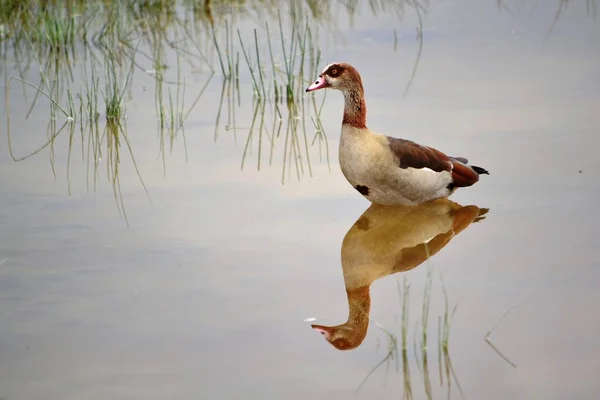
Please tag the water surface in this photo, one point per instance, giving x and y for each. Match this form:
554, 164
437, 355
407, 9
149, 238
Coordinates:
204, 289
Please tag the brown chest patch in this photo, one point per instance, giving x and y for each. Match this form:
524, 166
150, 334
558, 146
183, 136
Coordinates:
363, 224
362, 189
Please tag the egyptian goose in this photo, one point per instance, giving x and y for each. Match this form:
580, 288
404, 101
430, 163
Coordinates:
386, 240
384, 169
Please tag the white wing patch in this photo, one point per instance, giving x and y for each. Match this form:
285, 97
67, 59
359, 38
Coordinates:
428, 170
427, 180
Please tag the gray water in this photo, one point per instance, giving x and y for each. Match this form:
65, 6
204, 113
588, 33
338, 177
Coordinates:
209, 287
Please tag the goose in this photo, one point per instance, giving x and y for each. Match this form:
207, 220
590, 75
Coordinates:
384, 169
386, 240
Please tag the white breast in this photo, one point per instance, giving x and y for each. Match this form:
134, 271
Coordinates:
363, 155
367, 161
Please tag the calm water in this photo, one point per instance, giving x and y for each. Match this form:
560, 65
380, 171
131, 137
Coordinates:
210, 289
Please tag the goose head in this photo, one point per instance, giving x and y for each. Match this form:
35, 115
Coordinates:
350, 334
345, 336
340, 76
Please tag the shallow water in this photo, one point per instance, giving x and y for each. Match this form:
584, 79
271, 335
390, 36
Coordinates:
209, 287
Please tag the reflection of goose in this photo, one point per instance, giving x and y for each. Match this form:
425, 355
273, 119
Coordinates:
384, 169
386, 240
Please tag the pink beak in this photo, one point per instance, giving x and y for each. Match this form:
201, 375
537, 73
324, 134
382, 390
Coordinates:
320, 83
323, 330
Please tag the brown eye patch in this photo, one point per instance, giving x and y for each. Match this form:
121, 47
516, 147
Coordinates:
341, 344
334, 71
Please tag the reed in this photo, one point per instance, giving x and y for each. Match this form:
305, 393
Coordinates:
54, 44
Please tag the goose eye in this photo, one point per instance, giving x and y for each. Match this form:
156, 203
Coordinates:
334, 72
